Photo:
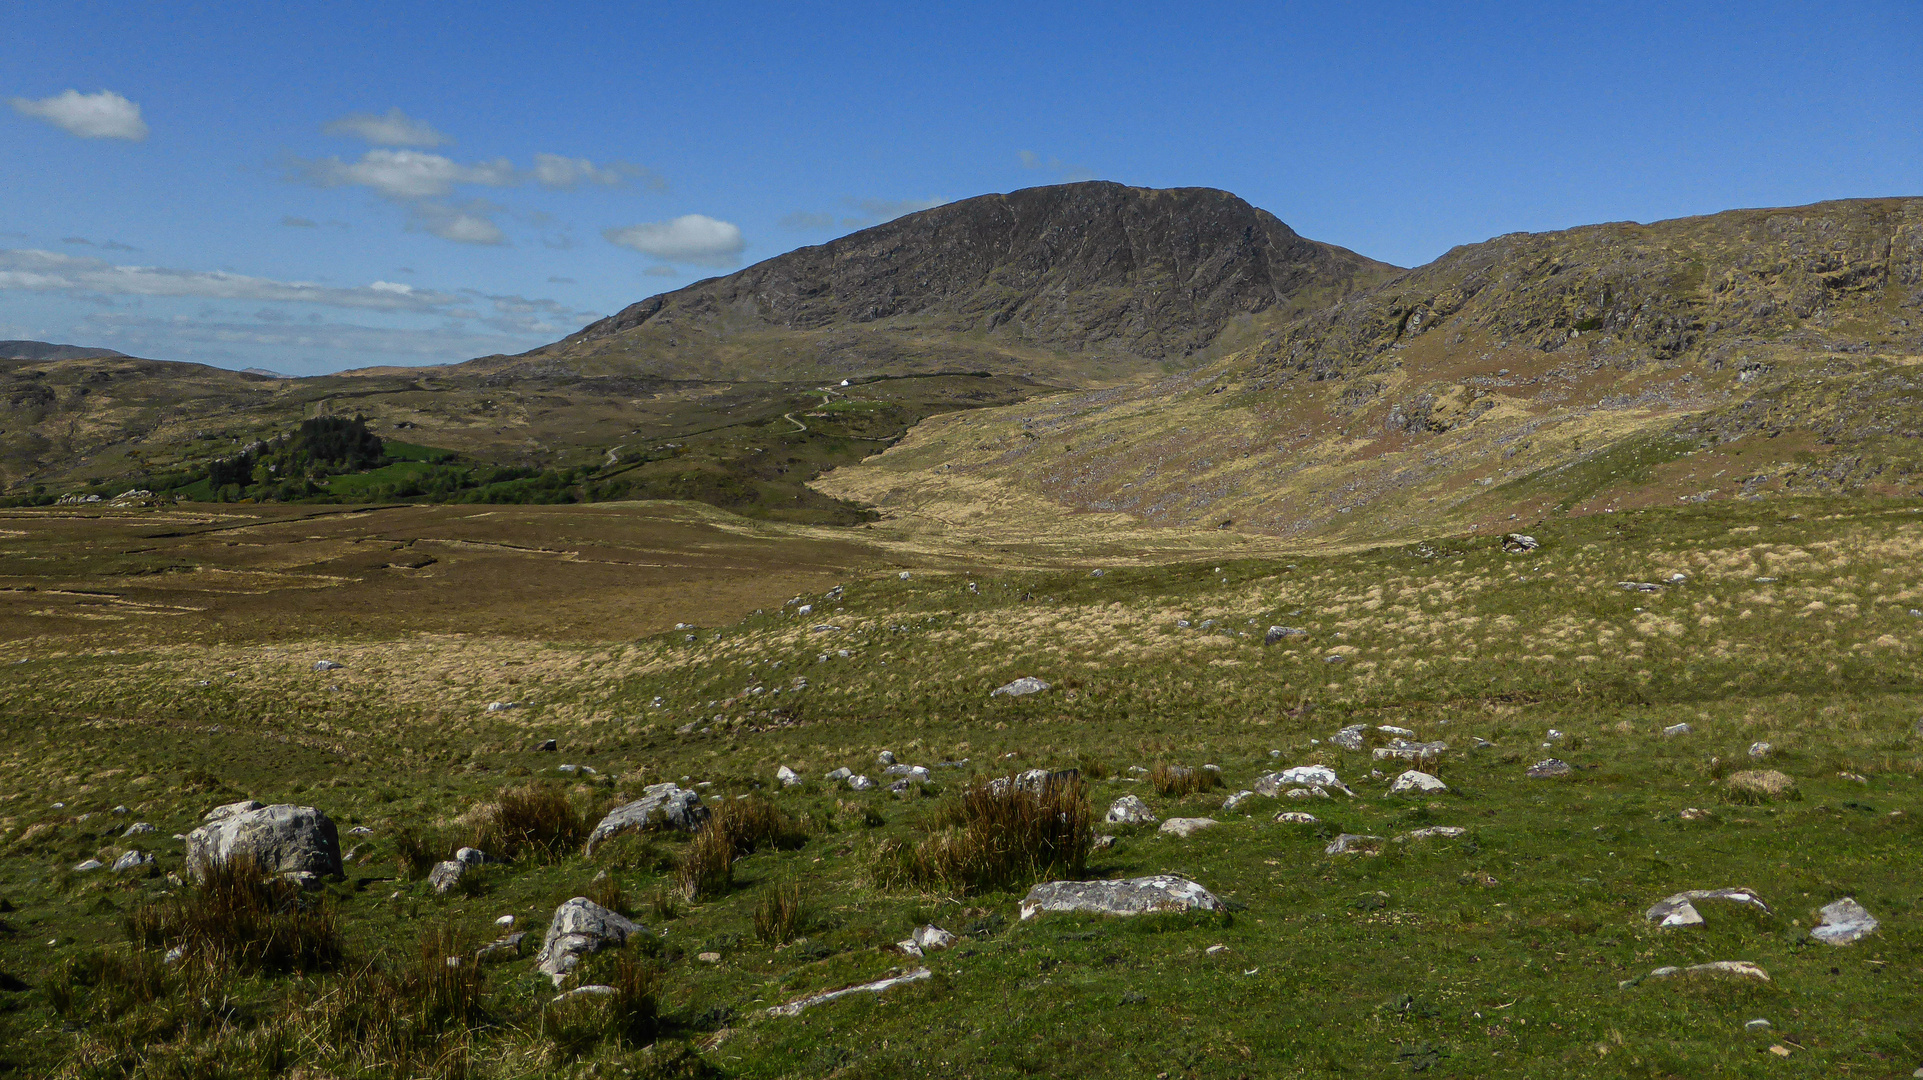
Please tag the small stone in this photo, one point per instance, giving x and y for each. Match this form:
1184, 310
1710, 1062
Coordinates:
1757, 1025
1237, 799
133, 860
1187, 826
502, 706
886, 757
1693, 813
360, 830
1549, 769
446, 875
1760, 749
90, 864
1130, 810
787, 776
1351, 737
1296, 817
1027, 684
1844, 922
1432, 831
1680, 910
1271, 784
1282, 633
1133, 896
1353, 844
1216, 950
1390, 729
715, 957
861, 783
1674, 730
549, 746
932, 938
1420, 783
137, 828
505, 922
327, 665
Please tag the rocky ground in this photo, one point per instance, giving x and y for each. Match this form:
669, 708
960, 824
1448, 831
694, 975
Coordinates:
1638, 797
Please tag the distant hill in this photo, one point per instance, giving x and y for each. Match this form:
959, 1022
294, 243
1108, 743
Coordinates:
1733, 355
45, 350
1079, 282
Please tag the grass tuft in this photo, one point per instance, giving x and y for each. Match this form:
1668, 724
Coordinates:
240, 915
778, 915
1175, 781
996, 835
534, 821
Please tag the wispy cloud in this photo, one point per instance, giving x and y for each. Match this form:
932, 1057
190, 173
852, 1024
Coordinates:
393, 128
802, 219
469, 224
1065, 172
239, 340
33, 270
406, 174
696, 239
566, 173
100, 115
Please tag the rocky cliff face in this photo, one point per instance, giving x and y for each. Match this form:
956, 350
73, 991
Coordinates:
1092, 267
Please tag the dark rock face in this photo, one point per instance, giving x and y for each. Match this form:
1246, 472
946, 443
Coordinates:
1090, 266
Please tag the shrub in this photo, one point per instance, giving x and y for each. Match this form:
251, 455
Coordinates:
779, 914
238, 914
997, 835
535, 820
1174, 781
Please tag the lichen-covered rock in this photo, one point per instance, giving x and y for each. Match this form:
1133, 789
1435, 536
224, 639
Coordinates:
230, 809
1549, 769
1353, 737
1187, 826
661, 806
1025, 685
1353, 844
580, 927
1130, 810
1273, 784
1844, 921
1296, 817
1134, 896
281, 839
1406, 750
1417, 783
133, 860
446, 875
1680, 909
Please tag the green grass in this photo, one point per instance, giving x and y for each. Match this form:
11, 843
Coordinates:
1497, 953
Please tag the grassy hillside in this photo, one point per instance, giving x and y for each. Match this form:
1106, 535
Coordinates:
1515, 948
1756, 352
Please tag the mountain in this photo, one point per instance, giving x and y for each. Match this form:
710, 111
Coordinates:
46, 350
1732, 355
1086, 280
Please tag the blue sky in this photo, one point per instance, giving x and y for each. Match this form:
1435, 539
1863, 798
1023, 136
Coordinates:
351, 184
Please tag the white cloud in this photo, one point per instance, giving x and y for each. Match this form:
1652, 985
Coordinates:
406, 174
48, 271
691, 238
556, 171
395, 128
101, 115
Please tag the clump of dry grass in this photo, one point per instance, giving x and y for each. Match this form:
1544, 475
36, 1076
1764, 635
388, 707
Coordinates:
237, 914
778, 915
997, 835
535, 820
1174, 781
415, 1020
628, 1017
607, 892
735, 828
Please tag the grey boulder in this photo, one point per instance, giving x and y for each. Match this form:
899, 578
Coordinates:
1843, 922
1680, 909
1549, 769
133, 860
1353, 844
1027, 684
1134, 896
580, 927
1352, 737
280, 839
1186, 827
661, 806
1272, 784
1130, 810
1420, 783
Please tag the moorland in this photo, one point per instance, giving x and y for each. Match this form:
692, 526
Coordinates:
1442, 626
